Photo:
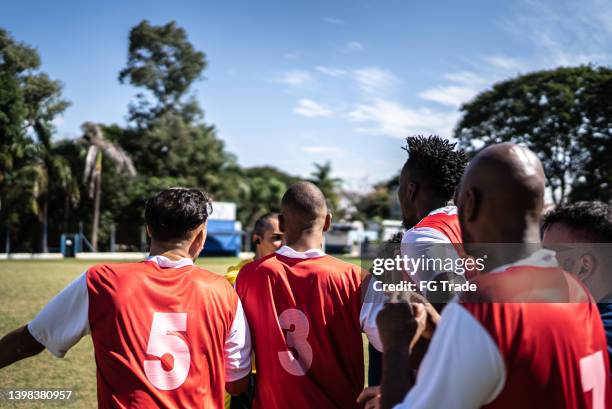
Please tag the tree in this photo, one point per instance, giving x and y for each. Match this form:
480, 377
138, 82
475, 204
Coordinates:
171, 141
29, 102
99, 147
563, 115
377, 204
329, 185
263, 189
164, 62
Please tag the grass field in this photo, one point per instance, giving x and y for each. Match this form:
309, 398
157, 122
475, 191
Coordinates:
25, 287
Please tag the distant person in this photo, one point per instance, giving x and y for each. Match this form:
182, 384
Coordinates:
306, 313
582, 232
165, 332
267, 238
500, 354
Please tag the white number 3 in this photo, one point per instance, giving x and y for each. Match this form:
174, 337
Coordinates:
296, 324
163, 342
593, 377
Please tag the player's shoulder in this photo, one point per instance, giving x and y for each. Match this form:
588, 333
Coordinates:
259, 266
424, 234
115, 269
333, 268
202, 275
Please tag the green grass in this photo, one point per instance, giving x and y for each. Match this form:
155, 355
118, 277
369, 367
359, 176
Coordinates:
25, 287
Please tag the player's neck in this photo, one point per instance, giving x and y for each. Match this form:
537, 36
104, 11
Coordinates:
429, 205
304, 242
171, 253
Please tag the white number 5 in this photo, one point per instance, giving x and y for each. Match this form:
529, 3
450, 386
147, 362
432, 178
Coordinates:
296, 324
161, 342
593, 376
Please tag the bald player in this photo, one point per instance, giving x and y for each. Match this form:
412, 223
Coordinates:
306, 314
501, 355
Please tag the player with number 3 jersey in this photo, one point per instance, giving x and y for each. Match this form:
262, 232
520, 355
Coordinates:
307, 314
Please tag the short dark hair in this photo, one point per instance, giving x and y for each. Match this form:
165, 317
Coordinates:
174, 212
303, 204
435, 162
263, 223
592, 218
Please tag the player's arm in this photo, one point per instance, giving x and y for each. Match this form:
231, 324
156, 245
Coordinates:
57, 327
238, 354
17, 345
462, 361
238, 387
401, 325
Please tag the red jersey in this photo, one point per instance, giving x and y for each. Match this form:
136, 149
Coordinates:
445, 221
159, 334
527, 354
304, 315
554, 352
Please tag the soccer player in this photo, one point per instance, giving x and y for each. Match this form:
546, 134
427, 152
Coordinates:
428, 181
307, 313
498, 354
427, 184
165, 332
267, 238
583, 231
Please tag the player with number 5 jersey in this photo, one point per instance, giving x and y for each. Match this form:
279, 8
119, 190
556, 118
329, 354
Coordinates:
166, 334
306, 314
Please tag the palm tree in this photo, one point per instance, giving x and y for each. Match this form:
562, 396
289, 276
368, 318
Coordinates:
99, 147
329, 185
51, 170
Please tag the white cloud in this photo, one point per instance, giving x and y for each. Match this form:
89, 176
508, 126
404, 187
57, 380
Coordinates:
564, 32
505, 63
331, 71
311, 109
374, 80
322, 149
463, 77
451, 95
391, 118
295, 77
334, 21
353, 46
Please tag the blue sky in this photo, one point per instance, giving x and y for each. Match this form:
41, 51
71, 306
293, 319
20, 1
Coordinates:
290, 83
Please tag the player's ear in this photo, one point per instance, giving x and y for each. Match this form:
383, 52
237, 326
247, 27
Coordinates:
256, 239
328, 220
412, 190
471, 205
587, 265
281, 222
197, 245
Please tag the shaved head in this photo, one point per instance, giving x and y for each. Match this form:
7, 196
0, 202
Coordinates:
501, 196
304, 216
304, 204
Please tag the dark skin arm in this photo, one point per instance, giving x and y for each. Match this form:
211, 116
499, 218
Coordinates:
405, 328
17, 345
238, 387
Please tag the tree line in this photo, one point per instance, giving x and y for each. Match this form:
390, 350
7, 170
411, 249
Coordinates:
99, 182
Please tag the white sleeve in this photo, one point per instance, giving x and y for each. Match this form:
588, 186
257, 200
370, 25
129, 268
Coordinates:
64, 320
238, 348
463, 368
426, 243
373, 302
